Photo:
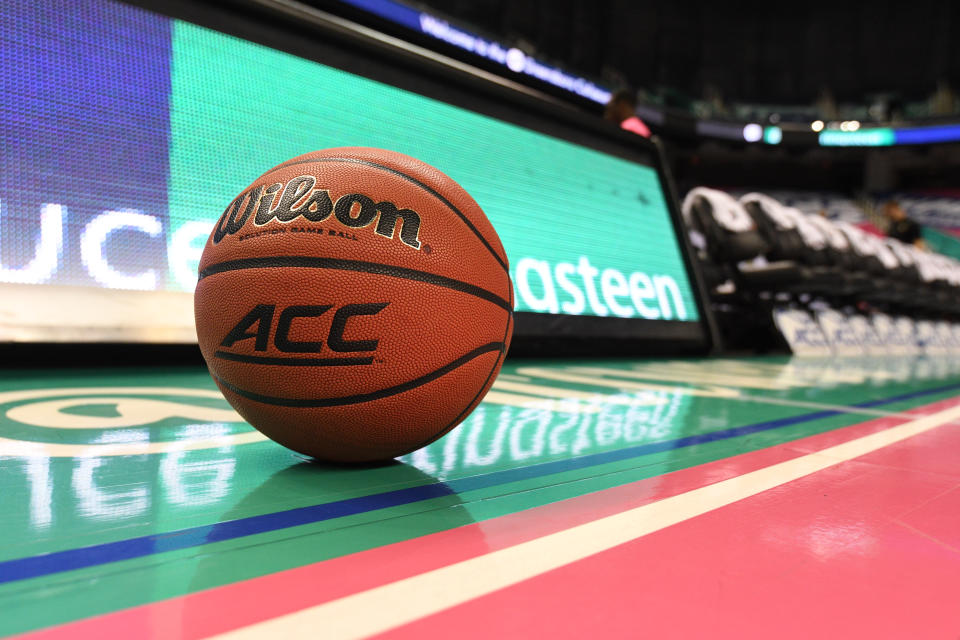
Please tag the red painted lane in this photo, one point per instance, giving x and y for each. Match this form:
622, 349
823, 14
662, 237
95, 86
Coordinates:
938, 520
937, 451
865, 549
206, 613
229, 607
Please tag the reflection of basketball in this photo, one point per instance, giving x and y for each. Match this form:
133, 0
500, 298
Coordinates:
354, 304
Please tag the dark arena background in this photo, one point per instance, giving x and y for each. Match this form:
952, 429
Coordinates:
731, 403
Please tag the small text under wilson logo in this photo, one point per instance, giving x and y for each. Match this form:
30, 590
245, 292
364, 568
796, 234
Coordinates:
299, 198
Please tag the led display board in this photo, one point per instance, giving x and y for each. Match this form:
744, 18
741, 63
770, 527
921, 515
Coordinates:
125, 134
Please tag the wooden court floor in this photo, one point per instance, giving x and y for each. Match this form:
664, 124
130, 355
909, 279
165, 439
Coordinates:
751, 498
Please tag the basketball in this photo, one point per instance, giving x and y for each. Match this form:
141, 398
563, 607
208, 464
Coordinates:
354, 304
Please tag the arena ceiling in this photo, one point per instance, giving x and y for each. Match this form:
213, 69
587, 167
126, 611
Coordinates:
752, 52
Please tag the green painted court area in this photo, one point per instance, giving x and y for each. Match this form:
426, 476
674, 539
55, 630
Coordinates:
127, 486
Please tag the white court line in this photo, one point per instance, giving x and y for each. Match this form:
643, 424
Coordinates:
839, 408
391, 605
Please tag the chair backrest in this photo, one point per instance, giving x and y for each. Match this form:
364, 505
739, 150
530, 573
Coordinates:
883, 252
770, 207
724, 208
812, 235
857, 239
899, 249
776, 226
953, 271
864, 247
908, 270
926, 269
838, 241
730, 232
945, 269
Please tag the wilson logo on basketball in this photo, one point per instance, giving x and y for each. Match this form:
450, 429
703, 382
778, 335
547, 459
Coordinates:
257, 325
298, 198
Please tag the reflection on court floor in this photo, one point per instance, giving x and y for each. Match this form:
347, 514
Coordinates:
118, 497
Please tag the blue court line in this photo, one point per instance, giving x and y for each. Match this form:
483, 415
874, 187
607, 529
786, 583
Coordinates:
906, 396
100, 554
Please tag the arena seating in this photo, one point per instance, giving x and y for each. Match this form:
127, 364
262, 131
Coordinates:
936, 211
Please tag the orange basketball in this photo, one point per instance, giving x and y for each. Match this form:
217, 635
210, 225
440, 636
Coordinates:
354, 304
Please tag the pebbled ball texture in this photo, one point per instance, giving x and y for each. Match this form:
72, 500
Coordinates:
341, 335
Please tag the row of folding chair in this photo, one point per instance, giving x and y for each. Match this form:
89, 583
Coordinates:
755, 245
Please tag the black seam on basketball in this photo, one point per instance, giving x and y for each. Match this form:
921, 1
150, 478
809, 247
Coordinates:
356, 265
310, 403
294, 362
467, 409
423, 186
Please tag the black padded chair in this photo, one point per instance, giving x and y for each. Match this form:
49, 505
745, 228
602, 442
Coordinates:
914, 293
732, 240
853, 279
791, 237
729, 244
941, 275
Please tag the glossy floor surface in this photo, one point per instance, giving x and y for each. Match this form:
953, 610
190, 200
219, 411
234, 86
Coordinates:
748, 498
